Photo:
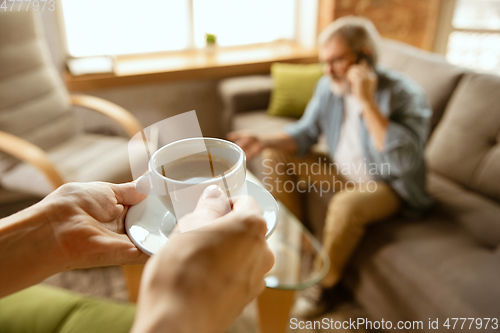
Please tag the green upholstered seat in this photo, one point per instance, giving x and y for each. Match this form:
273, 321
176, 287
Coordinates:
45, 309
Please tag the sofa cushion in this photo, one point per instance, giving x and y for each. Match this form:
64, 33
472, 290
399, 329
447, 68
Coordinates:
466, 145
246, 93
430, 70
259, 122
293, 88
479, 215
240, 94
427, 269
47, 309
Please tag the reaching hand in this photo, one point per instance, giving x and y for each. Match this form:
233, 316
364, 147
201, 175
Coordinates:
363, 82
88, 223
250, 144
201, 280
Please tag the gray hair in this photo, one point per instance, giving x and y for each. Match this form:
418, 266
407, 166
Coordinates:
358, 33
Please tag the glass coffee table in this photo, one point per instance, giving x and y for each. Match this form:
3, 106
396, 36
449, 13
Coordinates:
295, 250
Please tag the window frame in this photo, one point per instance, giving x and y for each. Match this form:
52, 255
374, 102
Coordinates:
190, 20
446, 28
208, 66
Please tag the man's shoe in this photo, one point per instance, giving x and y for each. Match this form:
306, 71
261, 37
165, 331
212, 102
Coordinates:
317, 301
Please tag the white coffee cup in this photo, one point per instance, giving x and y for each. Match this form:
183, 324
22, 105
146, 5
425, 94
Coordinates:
181, 196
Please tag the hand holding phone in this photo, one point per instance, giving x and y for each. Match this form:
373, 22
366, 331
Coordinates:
363, 78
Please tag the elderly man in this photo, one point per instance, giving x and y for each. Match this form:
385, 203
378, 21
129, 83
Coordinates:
375, 122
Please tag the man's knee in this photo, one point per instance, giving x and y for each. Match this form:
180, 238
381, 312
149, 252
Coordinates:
275, 155
345, 206
362, 207
269, 153
276, 161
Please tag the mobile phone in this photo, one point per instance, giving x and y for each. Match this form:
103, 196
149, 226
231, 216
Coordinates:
366, 57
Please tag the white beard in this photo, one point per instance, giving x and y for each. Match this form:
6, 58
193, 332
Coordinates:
340, 89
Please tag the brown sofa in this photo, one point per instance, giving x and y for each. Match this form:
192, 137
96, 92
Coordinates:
448, 264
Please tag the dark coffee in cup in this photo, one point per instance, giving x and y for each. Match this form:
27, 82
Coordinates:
196, 168
181, 170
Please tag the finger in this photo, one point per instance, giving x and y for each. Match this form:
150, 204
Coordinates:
112, 249
354, 76
247, 203
97, 199
212, 204
246, 217
126, 194
355, 70
131, 256
135, 257
370, 73
244, 144
143, 184
247, 211
268, 259
118, 224
351, 73
365, 70
233, 136
262, 287
263, 263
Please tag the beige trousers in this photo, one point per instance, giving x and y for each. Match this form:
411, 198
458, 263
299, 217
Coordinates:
352, 208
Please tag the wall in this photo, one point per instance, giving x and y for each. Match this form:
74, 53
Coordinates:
410, 21
149, 103
154, 102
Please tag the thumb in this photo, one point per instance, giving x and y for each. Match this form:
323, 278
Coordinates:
126, 194
231, 136
213, 203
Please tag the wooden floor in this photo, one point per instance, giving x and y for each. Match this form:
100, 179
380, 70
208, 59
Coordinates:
109, 283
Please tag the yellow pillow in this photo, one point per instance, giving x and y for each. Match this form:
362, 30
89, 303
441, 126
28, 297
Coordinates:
293, 88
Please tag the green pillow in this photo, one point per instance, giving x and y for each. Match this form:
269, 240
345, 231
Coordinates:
45, 309
293, 88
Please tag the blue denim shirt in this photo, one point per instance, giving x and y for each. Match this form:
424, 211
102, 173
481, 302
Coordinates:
404, 103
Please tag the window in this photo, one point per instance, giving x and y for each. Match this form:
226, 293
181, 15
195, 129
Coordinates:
474, 41
117, 27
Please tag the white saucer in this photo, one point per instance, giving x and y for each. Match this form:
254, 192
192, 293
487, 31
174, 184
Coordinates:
148, 224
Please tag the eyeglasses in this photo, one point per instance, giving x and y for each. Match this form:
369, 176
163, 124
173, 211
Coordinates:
340, 60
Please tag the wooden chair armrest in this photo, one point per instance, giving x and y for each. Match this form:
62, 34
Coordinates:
31, 154
124, 118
